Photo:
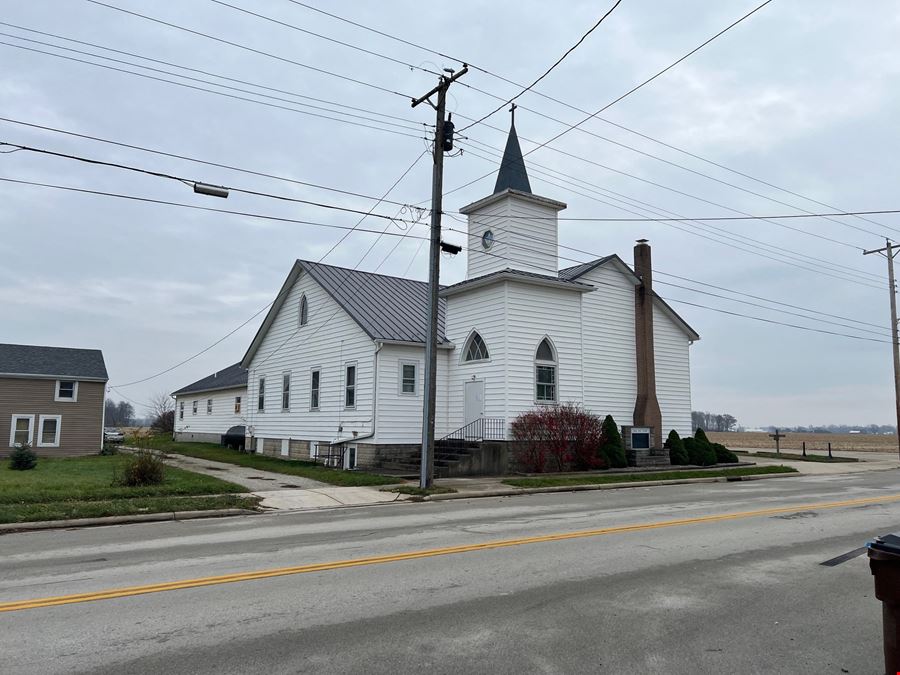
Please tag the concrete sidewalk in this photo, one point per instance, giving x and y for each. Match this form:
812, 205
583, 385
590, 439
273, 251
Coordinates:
283, 492
868, 461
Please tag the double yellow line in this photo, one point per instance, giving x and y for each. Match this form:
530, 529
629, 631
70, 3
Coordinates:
415, 555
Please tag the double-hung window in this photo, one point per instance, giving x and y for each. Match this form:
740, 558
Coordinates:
315, 380
181, 410
408, 378
49, 431
66, 390
21, 430
286, 392
209, 406
237, 405
261, 395
194, 408
350, 386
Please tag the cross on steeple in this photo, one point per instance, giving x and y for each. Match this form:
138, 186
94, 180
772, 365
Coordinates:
512, 173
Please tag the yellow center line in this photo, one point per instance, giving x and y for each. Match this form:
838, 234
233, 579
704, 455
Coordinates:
415, 555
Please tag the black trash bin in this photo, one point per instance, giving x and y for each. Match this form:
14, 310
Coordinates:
884, 561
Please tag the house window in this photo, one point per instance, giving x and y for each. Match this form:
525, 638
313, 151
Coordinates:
261, 397
209, 406
408, 378
21, 430
314, 380
350, 387
304, 311
181, 410
66, 390
545, 373
286, 391
476, 349
194, 408
237, 405
49, 431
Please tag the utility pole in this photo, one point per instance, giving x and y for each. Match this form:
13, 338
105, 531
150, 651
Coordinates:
888, 252
442, 142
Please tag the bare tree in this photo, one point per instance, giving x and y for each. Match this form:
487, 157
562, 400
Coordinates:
162, 412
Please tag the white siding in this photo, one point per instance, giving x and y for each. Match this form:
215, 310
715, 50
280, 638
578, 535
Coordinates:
525, 237
328, 342
484, 310
399, 415
610, 377
673, 373
532, 313
222, 418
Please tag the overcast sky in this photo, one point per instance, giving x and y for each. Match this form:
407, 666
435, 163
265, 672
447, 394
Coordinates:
803, 95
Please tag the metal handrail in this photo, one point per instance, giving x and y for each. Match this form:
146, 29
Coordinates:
482, 429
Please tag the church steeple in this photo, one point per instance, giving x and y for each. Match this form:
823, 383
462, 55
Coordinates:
512, 174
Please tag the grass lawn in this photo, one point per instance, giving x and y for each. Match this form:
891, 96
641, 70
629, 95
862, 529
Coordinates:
799, 457
570, 481
82, 487
291, 467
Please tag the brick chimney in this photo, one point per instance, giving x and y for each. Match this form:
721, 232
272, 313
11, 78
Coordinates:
646, 408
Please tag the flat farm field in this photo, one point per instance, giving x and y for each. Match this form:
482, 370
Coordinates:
757, 440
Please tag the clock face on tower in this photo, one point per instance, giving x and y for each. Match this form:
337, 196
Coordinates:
487, 239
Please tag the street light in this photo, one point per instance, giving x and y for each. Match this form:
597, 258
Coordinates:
211, 190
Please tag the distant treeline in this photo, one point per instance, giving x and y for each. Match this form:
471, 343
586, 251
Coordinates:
839, 429
713, 421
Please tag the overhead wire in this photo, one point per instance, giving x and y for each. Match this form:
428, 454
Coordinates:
283, 292
486, 71
736, 238
196, 160
253, 50
191, 181
213, 91
546, 72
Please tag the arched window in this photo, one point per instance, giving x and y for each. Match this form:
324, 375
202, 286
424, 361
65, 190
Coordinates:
304, 311
476, 349
545, 365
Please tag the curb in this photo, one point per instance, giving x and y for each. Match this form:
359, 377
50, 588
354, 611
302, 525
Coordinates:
7, 528
607, 486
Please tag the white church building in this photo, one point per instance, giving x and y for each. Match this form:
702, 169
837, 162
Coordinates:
337, 364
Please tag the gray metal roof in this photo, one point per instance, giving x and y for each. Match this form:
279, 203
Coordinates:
386, 308
512, 174
229, 378
84, 364
510, 272
570, 273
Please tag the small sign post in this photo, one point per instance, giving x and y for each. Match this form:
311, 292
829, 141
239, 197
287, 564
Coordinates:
777, 436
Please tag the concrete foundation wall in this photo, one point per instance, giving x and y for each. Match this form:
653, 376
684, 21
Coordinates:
195, 437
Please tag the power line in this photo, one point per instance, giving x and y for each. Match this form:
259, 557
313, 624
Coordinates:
717, 232
212, 91
594, 219
595, 116
164, 202
251, 49
196, 160
284, 292
649, 79
546, 72
408, 122
189, 181
326, 37
674, 191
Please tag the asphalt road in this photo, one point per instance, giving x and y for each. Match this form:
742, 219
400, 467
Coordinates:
711, 578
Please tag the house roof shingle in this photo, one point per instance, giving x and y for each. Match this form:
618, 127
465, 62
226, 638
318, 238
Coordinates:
38, 361
228, 378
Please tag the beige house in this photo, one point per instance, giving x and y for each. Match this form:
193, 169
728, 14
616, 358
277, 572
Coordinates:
51, 398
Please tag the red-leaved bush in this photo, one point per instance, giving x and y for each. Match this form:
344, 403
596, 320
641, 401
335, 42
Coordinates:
558, 438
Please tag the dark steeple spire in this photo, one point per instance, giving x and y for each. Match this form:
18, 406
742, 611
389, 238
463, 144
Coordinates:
512, 172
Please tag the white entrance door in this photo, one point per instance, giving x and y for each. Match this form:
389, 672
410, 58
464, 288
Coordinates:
474, 405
